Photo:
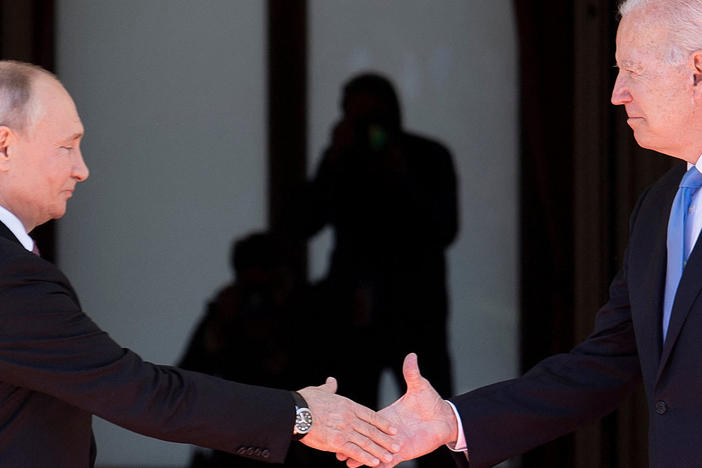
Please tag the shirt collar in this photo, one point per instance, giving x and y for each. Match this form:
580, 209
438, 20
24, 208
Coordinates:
16, 227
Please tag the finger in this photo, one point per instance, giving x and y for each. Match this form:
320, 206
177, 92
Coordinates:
377, 437
410, 370
375, 447
374, 420
357, 455
349, 461
330, 385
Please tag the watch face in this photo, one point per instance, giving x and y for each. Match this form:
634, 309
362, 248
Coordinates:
303, 421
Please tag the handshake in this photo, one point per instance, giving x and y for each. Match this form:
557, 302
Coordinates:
416, 424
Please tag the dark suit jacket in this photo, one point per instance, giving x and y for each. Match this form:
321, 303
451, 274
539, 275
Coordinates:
566, 391
57, 369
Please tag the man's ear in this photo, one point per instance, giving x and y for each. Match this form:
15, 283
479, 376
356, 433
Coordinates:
697, 71
7, 137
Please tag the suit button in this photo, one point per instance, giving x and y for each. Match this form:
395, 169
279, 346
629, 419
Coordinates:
661, 407
265, 453
250, 451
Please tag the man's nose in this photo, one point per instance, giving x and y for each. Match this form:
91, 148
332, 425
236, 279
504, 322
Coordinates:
620, 93
80, 169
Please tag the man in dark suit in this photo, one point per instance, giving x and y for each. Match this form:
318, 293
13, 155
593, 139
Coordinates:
650, 330
57, 368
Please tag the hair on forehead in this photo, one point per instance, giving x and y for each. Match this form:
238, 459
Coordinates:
682, 20
17, 108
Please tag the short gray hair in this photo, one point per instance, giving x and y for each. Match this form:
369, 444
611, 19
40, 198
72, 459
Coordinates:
17, 108
683, 21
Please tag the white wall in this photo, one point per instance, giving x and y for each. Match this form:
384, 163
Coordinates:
454, 64
171, 93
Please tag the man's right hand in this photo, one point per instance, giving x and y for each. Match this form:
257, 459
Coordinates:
424, 420
353, 431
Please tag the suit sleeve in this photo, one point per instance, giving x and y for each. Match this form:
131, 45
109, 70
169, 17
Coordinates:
559, 394
47, 344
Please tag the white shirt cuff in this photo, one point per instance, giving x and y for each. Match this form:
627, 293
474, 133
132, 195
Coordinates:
460, 445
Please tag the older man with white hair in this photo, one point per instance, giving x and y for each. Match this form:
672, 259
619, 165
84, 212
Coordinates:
650, 330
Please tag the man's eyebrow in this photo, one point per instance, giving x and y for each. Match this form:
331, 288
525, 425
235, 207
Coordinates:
628, 64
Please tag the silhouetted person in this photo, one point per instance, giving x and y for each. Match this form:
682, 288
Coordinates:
247, 333
390, 198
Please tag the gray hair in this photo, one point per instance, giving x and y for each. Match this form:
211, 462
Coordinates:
17, 108
683, 22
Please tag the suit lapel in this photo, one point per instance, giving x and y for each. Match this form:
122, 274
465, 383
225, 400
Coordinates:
688, 290
651, 304
647, 267
7, 234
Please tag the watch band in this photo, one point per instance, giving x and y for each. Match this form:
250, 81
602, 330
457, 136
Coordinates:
299, 401
303, 417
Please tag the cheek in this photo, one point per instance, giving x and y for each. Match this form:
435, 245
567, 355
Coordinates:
58, 173
675, 110
663, 104
50, 190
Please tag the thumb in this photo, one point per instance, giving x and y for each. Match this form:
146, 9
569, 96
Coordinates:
410, 369
329, 386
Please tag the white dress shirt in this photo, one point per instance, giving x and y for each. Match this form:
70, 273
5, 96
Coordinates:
16, 227
693, 226
460, 445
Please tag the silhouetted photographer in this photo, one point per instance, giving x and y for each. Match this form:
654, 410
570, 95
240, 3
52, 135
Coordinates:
390, 198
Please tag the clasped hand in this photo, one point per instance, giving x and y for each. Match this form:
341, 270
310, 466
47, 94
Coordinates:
347, 428
422, 419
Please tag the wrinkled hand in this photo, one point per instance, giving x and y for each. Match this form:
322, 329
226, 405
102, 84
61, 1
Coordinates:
423, 419
347, 428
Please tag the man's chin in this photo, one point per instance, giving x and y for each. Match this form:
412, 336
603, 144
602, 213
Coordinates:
57, 214
651, 145
641, 140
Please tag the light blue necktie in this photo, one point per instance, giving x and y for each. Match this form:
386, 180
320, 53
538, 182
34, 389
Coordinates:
677, 255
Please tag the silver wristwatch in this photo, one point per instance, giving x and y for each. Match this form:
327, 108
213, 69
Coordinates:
303, 417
